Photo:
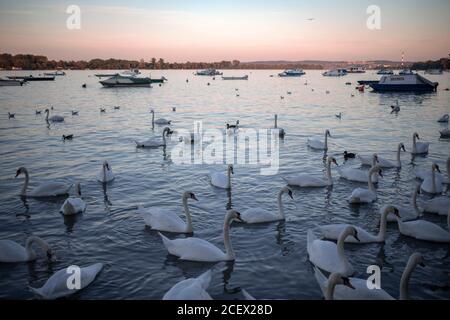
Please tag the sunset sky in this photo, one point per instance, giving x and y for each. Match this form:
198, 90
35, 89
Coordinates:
194, 30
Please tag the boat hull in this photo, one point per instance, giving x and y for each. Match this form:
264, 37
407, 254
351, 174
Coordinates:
235, 78
10, 83
402, 88
123, 85
33, 78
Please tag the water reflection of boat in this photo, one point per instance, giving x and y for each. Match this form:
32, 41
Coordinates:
401, 83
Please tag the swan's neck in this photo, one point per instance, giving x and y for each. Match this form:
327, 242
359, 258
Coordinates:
414, 142
330, 181
433, 180
404, 282
326, 141
383, 226
340, 248
229, 178
46, 115
370, 183
25, 184
39, 241
414, 202
104, 173
374, 161
164, 138
329, 292
280, 205
398, 156
77, 191
188, 216
226, 240
276, 121
153, 118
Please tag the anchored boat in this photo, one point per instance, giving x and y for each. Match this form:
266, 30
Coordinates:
31, 78
356, 70
56, 73
10, 82
335, 73
208, 72
236, 78
400, 83
124, 81
292, 73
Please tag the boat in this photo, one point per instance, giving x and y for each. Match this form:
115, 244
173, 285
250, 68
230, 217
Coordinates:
31, 78
356, 70
10, 82
434, 71
160, 80
208, 72
292, 73
56, 73
405, 72
385, 72
126, 73
126, 81
335, 73
401, 83
236, 78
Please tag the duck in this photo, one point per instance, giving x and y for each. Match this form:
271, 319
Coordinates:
432, 184
419, 147
106, 174
408, 213
333, 231
233, 126
396, 108
74, 205
84, 85
444, 118
363, 195
46, 189
160, 121
338, 287
328, 255
339, 115
425, 230
74, 112
102, 110
38, 112
53, 118
67, 137
195, 249
317, 144
11, 115
11, 251
261, 215
163, 219
305, 180
56, 286
281, 132
191, 289
220, 180
358, 175
154, 142
116, 107
349, 155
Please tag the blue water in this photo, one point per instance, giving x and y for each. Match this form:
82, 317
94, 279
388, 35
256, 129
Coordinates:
271, 261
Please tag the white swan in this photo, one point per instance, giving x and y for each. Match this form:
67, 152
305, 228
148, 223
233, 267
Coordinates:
281, 132
439, 205
160, 121
422, 174
338, 287
328, 255
154, 142
191, 289
220, 180
74, 205
106, 174
408, 213
432, 184
162, 219
305, 180
358, 175
363, 195
318, 144
195, 249
260, 215
425, 230
46, 189
444, 118
384, 163
333, 231
11, 251
56, 286
419, 147
53, 118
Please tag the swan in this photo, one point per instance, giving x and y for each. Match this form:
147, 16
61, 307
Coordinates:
166, 220
305, 180
281, 131
368, 160
385, 163
408, 213
425, 230
154, 142
328, 255
358, 175
260, 215
160, 121
195, 249
431, 184
419, 147
444, 118
46, 189
74, 205
317, 144
56, 286
220, 180
335, 287
363, 195
422, 174
106, 174
333, 231
439, 205
191, 289
11, 251
53, 118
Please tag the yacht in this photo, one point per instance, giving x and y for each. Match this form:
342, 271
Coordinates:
408, 82
356, 70
385, 72
208, 72
405, 72
126, 81
236, 78
335, 73
11, 82
292, 73
56, 73
126, 73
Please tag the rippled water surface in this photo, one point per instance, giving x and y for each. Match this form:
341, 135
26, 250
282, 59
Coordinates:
271, 261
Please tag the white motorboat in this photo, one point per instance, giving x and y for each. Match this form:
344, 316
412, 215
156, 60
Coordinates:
208, 72
292, 73
335, 73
